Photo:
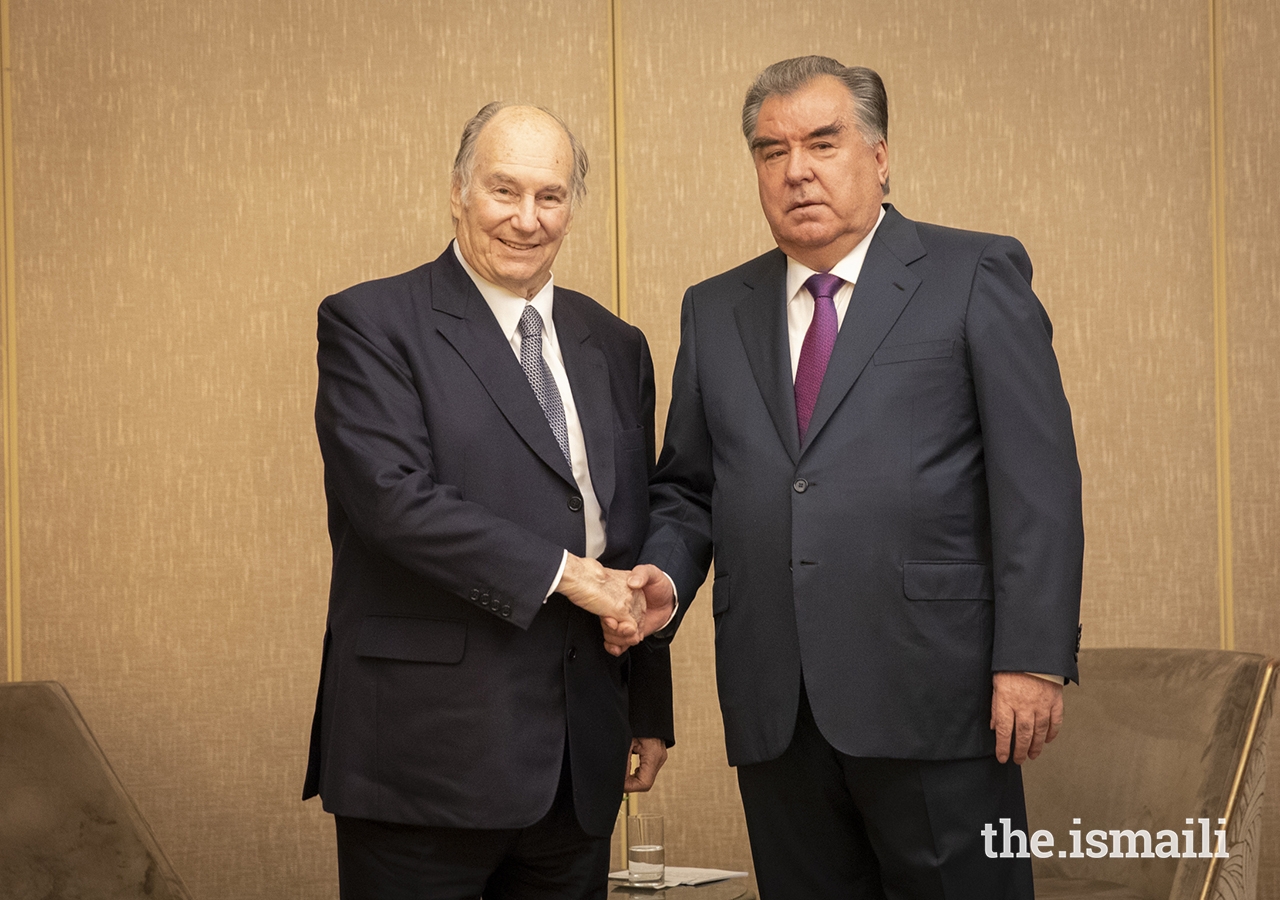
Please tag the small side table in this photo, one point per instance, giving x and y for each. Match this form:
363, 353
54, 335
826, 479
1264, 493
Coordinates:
731, 889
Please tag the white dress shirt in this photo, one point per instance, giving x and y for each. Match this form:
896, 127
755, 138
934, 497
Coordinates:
507, 309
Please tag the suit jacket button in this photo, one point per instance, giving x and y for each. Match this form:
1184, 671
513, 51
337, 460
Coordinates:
573, 653
575, 503
506, 612
475, 593
800, 486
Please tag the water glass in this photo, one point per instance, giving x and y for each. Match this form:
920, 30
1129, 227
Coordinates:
646, 854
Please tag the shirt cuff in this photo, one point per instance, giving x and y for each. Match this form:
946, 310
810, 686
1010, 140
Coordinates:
675, 600
1056, 679
555, 582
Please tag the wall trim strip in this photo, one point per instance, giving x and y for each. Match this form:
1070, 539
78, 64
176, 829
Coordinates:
618, 231
9, 373
1221, 348
617, 192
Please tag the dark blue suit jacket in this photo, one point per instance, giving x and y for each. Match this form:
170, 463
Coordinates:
448, 686
927, 532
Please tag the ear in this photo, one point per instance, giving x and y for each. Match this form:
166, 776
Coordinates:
455, 199
881, 150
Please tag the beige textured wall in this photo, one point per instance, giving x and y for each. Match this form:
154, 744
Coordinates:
1252, 112
192, 178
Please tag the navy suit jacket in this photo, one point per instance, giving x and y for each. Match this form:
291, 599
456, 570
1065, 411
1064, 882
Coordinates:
926, 533
448, 687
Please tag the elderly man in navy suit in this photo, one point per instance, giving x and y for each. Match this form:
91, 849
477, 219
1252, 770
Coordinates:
868, 430
487, 439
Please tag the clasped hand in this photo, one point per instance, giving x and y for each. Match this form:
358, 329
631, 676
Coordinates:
631, 605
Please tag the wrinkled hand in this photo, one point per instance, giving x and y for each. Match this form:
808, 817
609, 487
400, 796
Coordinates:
652, 753
604, 592
1028, 710
654, 589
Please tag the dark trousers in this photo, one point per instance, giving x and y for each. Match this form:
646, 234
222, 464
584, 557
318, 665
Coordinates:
553, 859
824, 825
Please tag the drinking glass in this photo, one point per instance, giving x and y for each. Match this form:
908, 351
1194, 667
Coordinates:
646, 854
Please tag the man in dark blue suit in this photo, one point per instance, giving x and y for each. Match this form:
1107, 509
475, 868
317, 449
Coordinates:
487, 440
869, 431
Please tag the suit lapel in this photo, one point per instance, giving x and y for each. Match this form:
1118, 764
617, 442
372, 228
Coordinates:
588, 373
469, 325
884, 287
761, 313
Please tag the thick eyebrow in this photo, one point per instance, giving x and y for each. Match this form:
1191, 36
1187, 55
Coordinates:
497, 176
832, 130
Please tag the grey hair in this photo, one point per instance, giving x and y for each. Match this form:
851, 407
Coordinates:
870, 102
464, 163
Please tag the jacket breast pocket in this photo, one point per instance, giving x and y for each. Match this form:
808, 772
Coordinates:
901, 353
947, 580
412, 639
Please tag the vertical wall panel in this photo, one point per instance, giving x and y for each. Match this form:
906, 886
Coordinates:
1081, 129
1252, 113
8, 517
192, 179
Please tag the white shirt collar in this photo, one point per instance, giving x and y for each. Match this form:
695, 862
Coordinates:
848, 268
508, 307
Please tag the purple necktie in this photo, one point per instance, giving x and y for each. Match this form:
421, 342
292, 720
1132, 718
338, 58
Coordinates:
818, 341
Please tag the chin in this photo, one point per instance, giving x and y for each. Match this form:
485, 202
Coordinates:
522, 270
808, 239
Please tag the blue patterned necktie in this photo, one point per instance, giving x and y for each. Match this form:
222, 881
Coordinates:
544, 386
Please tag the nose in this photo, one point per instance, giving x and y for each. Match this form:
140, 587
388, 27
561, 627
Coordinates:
798, 168
526, 214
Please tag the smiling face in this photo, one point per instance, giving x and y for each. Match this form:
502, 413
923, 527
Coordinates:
516, 209
821, 183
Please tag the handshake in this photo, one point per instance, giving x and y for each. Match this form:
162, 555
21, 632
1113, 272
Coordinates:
631, 605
